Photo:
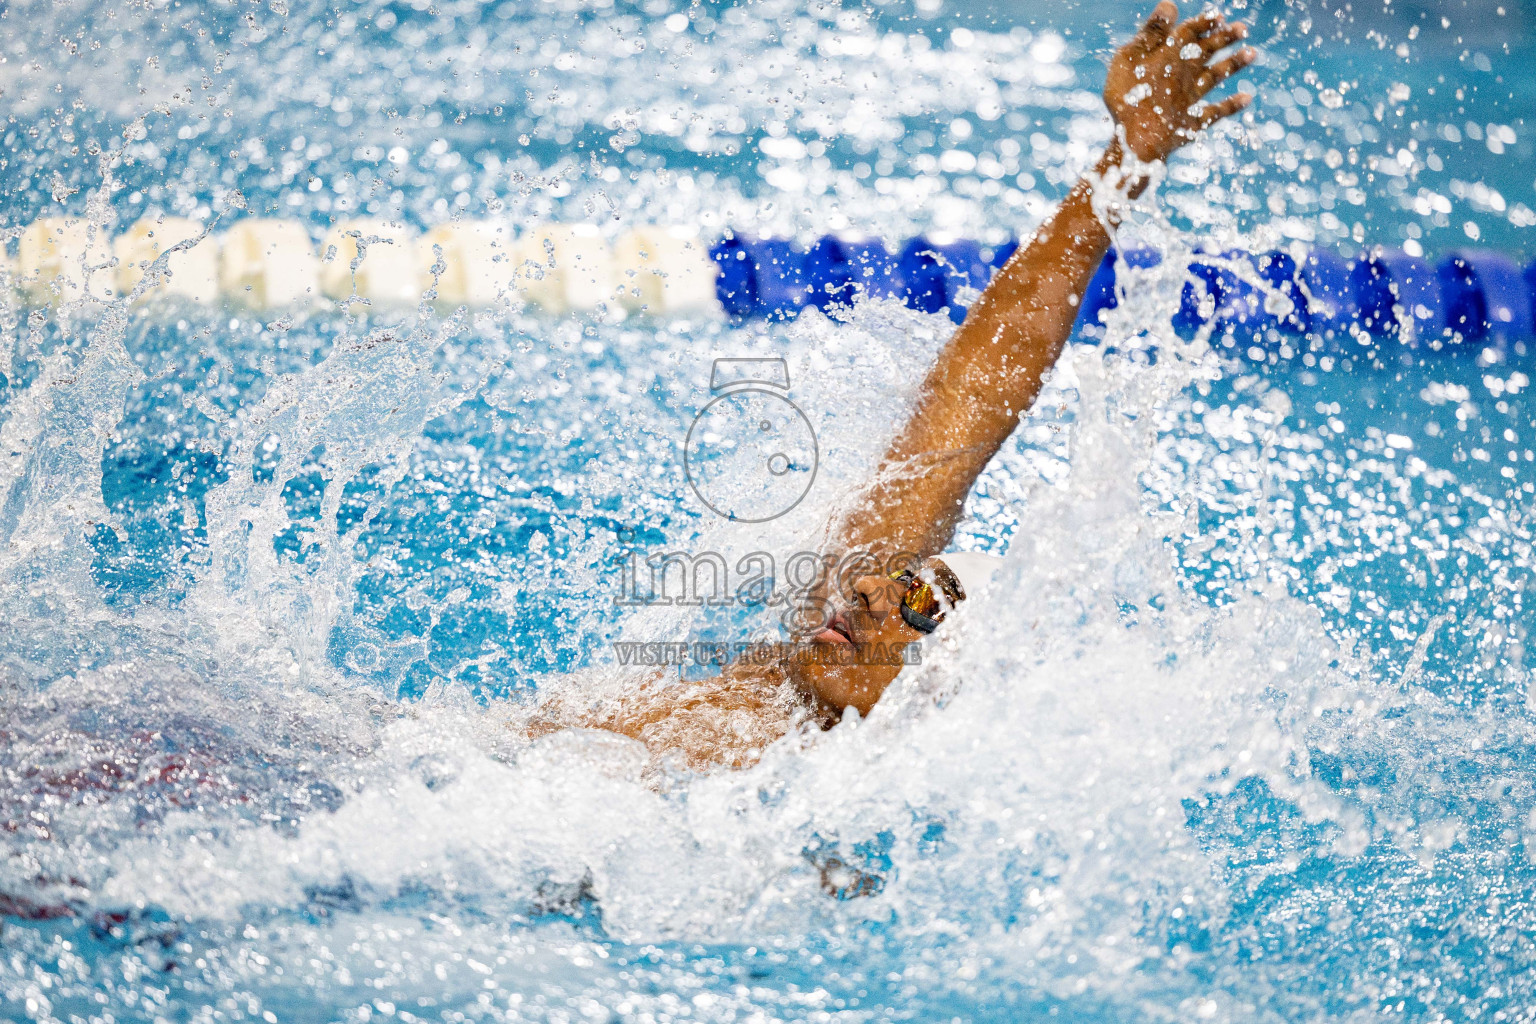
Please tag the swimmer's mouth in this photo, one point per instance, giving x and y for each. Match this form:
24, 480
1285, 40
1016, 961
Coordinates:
837, 632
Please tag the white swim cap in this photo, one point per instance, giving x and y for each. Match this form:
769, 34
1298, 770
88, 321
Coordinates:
972, 568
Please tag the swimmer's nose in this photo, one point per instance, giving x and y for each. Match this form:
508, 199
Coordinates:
876, 594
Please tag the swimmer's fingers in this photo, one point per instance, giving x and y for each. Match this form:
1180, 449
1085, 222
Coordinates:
1155, 32
1223, 37
1210, 113
1225, 69
1196, 28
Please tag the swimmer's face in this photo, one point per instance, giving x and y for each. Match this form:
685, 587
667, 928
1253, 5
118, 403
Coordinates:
863, 644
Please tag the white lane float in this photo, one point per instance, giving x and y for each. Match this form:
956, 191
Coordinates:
665, 271
478, 258
272, 263
192, 273
65, 259
370, 259
567, 267
268, 263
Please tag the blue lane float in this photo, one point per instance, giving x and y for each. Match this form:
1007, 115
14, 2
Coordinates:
830, 265
1251, 297
924, 276
783, 289
736, 284
772, 278
936, 276
1329, 293
1391, 287
1278, 303
761, 277
1471, 297
1530, 290
1486, 297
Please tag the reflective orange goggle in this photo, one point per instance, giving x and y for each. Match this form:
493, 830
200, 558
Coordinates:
920, 606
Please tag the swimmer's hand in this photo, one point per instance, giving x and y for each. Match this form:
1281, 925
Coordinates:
1157, 82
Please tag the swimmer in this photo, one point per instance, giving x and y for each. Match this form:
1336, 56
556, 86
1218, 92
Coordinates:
985, 378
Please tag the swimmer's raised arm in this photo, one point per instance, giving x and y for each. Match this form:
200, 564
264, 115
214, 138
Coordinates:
986, 377
990, 371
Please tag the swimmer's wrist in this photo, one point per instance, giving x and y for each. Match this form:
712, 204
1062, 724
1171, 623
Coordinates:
1121, 179
1111, 159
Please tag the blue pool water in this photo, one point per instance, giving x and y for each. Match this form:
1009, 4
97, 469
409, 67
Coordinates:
1243, 733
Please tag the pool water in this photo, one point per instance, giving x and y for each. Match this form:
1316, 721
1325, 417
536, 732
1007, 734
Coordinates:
1241, 733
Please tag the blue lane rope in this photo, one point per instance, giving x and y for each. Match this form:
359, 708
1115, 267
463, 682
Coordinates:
770, 278
1473, 296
